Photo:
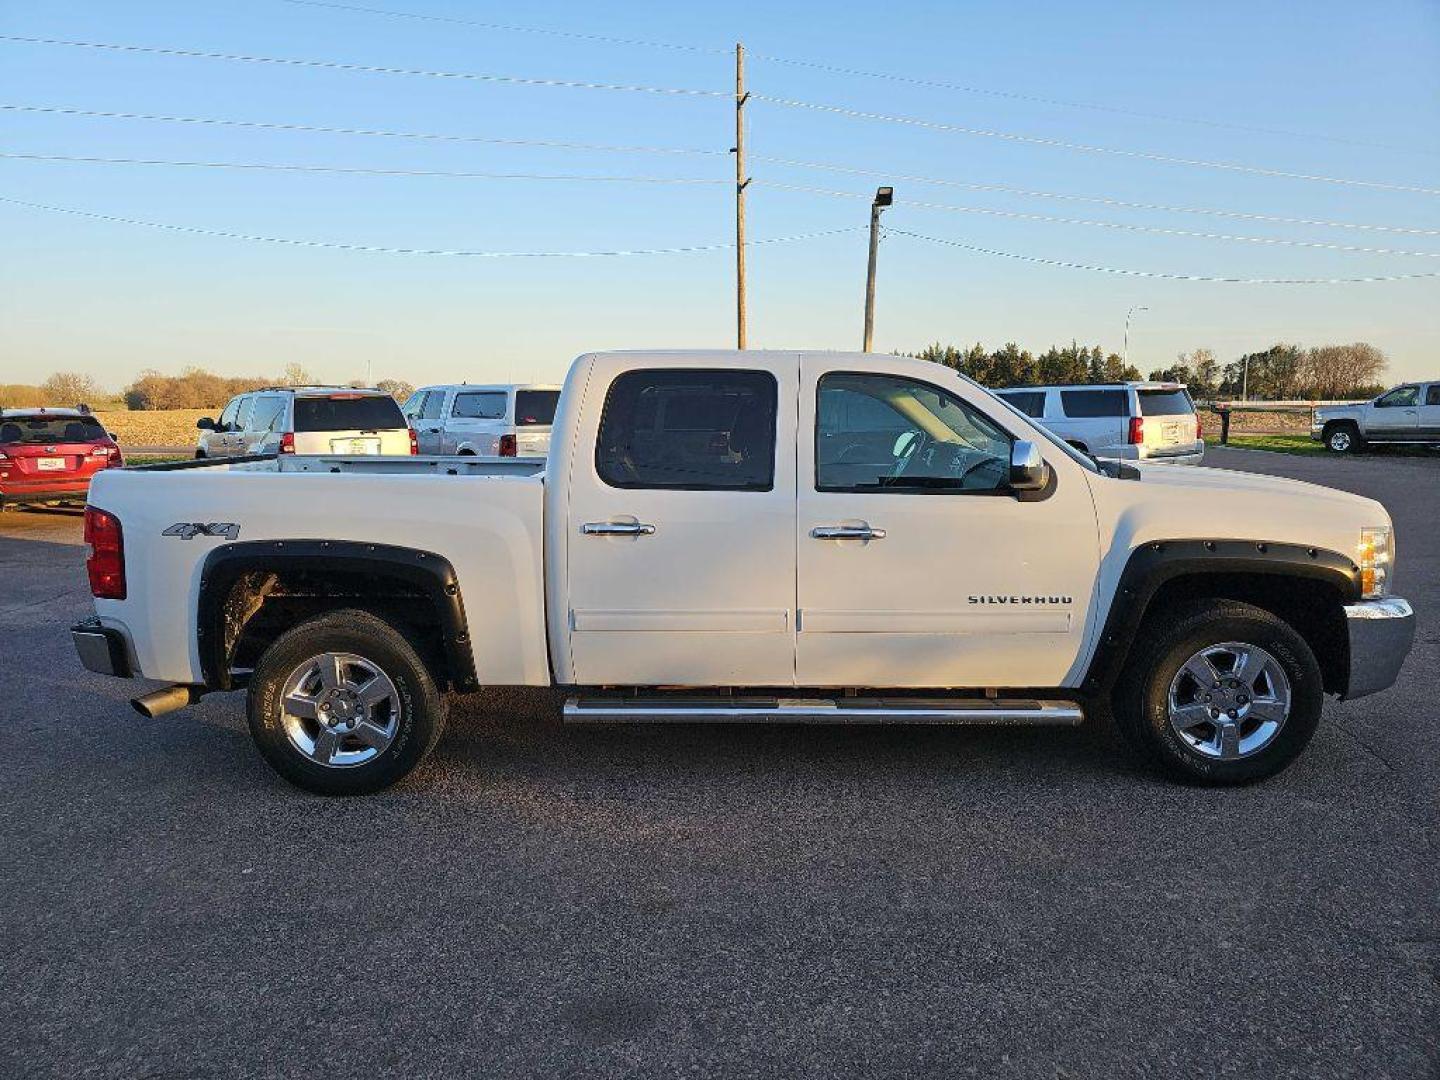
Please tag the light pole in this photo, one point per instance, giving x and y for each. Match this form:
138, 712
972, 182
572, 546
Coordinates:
1128, 314
883, 197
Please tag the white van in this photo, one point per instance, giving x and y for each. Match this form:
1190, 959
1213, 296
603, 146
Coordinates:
1135, 421
306, 420
500, 420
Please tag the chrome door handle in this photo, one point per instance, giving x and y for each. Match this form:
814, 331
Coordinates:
847, 532
617, 528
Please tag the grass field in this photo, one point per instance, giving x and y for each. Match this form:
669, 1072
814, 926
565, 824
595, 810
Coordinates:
1303, 444
161, 427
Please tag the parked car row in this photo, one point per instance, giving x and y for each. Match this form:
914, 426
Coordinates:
307, 420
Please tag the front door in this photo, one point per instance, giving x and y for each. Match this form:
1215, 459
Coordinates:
680, 537
1395, 415
916, 566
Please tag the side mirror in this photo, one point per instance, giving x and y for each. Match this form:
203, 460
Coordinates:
205, 424
1028, 470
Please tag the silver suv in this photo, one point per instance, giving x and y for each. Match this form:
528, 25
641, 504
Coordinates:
306, 420
1136, 421
501, 420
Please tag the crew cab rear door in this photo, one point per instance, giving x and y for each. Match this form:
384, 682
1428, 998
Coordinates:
681, 523
917, 566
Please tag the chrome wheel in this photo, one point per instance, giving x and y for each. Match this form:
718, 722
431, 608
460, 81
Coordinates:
1340, 441
1229, 701
339, 710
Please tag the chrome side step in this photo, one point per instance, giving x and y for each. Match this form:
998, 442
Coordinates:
759, 710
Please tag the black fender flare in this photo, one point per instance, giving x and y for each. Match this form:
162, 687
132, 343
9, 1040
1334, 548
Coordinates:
429, 573
1160, 561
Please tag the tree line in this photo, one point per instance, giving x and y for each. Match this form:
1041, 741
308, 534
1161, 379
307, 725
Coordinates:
1281, 372
193, 388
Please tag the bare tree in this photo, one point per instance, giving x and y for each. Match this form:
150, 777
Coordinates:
295, 375
71, 388
1341, 371
399, 389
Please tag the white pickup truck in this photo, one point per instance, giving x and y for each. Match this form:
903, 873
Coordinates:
739, 537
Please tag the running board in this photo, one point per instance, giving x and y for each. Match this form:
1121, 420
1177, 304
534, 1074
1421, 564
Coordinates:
680, 710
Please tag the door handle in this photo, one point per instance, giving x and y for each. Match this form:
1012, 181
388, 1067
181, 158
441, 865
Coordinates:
847, 532
617, 528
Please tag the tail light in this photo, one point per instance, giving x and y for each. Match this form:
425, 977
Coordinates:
287, 443
507, 446
414, 442
1137, 431
117, 459
105, 564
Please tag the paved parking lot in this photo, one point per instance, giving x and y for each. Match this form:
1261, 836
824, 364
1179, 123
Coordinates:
704, 901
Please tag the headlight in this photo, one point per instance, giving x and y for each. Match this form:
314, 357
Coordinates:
1376, 554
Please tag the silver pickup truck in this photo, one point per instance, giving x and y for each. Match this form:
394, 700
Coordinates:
1406, 414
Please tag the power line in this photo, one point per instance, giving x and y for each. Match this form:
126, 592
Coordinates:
265, 166
681, 150
195, 230
1061, 144
1156, 229
512, 28
318, 129
1101, 200
836, 69
370, 69
1155, 273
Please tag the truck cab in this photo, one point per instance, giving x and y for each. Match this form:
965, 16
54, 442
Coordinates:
732, 537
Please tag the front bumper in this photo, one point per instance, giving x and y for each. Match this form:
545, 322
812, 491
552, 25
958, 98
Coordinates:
102, 648
1380, 632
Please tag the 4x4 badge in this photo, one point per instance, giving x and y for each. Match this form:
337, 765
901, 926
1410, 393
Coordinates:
188, 530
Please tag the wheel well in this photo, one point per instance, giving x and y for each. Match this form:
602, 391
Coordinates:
467, 452
1331, 425
1314, 609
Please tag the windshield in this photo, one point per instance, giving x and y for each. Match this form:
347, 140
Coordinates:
347, 412
1174, 402
535, 408
50, 429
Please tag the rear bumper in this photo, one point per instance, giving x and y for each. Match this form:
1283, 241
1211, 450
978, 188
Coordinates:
25, 493
1188, 454
1380, 632
103, 649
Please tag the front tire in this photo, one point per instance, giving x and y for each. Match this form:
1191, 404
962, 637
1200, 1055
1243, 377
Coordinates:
341, 704
1223, 693
1343, 439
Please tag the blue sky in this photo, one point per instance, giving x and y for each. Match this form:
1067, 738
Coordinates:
1358, 85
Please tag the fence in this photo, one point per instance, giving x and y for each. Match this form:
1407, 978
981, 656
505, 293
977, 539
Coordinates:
1266, 417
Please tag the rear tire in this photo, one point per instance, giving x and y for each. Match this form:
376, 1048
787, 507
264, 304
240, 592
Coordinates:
341, 704
1343, 438
1233, 723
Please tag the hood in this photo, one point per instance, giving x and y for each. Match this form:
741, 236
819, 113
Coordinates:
1176, 502
1339, 410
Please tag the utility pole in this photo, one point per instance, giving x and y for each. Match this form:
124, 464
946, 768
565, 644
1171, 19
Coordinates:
1126, 351
741, 182
883, 197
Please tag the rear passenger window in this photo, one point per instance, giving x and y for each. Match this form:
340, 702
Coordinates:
479, 405
696, 430
1030, 402
1432, 396
1087, 404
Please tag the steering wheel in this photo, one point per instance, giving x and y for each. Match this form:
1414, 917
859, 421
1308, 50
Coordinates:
983, 463
909, 454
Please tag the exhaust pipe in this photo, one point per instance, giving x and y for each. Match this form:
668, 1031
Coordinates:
159, 702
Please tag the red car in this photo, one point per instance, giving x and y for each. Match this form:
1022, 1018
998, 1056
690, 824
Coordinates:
48, 455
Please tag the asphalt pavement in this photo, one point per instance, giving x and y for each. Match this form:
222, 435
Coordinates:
757, 902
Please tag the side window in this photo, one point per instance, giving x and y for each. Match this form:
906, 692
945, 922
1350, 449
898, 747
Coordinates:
1400, 398
480, 405
697, 430
1432, 396
414, 404
883, 433
434, 402
267, 413
227, 418
1088, 404
1030, 402
242, 418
